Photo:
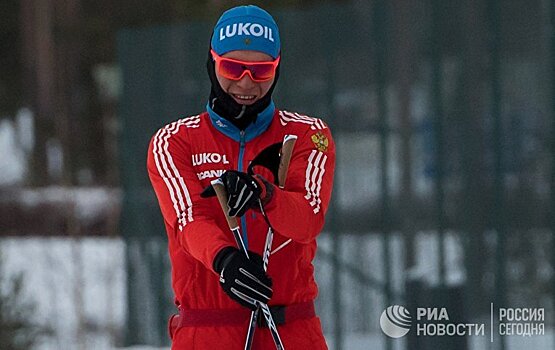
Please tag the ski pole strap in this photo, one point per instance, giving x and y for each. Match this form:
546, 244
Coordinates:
238, 317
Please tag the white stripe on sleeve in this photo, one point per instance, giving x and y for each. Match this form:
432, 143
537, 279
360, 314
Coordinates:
175, 183
314, 174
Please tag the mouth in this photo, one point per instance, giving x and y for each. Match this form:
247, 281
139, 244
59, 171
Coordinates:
244, 99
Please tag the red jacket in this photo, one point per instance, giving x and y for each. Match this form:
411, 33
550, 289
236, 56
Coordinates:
184, 156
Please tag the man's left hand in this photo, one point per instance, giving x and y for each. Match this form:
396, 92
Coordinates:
243, 191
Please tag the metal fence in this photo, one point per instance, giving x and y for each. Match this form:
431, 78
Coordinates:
442, 112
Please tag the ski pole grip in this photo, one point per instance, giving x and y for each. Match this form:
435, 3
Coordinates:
219, 188
285, 158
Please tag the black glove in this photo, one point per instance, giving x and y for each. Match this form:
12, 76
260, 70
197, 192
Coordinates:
243, 191
244, 280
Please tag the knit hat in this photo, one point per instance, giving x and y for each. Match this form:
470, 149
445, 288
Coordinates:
246, 28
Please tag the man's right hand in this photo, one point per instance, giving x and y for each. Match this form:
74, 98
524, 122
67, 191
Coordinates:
243, 279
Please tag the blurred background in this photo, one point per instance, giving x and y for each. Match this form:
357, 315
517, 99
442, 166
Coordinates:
442, 112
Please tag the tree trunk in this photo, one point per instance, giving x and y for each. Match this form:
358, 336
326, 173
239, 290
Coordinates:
39, 68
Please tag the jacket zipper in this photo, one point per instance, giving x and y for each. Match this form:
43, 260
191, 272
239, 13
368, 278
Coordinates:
240, 168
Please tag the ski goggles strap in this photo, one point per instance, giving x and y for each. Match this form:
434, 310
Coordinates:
236, 69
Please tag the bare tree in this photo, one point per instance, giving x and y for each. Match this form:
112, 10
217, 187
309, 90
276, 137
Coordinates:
38, 73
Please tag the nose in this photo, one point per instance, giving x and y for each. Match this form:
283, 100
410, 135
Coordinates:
246, 81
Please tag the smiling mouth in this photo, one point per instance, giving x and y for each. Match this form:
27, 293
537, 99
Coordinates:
245, 99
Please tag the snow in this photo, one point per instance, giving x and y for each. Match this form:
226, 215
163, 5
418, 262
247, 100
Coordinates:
13, 160
16, 142
55, 159
25, 126
88, 203
72, 279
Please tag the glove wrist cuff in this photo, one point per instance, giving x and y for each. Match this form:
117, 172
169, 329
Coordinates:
266, 189
222, 258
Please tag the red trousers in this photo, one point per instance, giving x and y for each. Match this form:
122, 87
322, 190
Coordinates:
298, 335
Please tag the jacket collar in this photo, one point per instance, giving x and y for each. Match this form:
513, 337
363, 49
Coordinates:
256, 128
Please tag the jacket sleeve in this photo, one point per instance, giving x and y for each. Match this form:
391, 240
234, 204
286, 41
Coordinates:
189, 218
298, 210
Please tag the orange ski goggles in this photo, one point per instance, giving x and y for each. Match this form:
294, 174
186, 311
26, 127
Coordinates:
236, 69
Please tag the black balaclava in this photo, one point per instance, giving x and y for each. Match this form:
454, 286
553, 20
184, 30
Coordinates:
242, 28
226, 107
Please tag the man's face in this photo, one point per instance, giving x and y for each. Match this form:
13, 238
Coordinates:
246, 91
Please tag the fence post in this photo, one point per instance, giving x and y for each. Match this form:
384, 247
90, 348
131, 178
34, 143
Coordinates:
499, 203
437, 105
335, 227
381, 47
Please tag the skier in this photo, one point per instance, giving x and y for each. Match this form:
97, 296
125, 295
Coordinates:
216, 286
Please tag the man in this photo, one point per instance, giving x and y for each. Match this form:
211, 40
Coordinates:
216, 287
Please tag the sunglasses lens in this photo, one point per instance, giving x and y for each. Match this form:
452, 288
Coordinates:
231, 70
262, 71
234, 70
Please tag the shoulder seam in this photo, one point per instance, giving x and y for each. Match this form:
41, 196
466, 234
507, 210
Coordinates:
190, 122
286, 117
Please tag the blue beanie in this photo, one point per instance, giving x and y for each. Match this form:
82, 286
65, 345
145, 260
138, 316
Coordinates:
246, 28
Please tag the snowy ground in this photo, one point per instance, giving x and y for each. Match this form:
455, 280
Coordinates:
16, 142
79, 287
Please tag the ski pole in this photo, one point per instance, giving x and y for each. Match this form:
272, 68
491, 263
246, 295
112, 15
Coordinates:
285, 159
219, 188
